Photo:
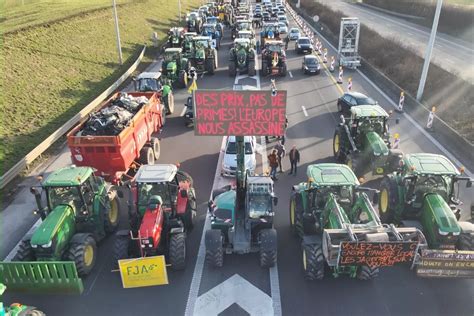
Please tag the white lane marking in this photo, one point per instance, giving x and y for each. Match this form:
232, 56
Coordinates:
304, 110
199, 267
409, 118
291, 75
234, 290
183, 111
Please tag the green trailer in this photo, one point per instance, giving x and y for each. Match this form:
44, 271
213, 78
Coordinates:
81, 209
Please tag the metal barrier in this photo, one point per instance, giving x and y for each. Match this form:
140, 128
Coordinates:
41, 277
44, 145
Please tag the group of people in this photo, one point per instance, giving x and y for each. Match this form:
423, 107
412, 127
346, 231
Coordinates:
276, 156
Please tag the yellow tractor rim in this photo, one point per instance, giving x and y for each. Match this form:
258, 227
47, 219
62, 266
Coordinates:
292, 213
113, 214
336, 143
349, 162
304, 259
384, 200
88, 255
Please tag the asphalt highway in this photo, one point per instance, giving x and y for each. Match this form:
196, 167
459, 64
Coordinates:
449, 52
200, 290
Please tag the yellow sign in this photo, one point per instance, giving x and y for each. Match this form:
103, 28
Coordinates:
193, 86
141, 272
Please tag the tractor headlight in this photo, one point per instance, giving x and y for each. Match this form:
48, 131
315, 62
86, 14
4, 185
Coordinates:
34, 246
455, 233
48, 245
442, 233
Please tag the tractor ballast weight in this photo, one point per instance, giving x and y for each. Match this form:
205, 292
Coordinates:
174, 68
332, 213
242, 58
274, 59
162, 204
424, 192
81, 210
363, 141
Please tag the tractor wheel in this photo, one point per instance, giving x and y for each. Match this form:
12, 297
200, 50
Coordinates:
163, 116
355, 164
177, 251
112, 214
268, 248
366, 273
252, 71
283, 70
337, 147
170, 105
466, 241
183, 79
388, 199
210, 66
313, 261
25, 252
296, 213
121, 248
155, 145
147, 156
232, 70
84, 254
214, 248
31, 311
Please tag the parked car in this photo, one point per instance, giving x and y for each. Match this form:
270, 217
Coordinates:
282, 28
303, 45
294, 34
229, 163
311, 65
266, 16
350, 99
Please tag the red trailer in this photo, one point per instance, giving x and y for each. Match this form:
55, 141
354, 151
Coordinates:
114, 156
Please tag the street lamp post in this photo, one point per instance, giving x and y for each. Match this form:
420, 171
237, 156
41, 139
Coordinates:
429, 51
117, 32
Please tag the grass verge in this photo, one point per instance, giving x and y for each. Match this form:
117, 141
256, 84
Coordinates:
54, 70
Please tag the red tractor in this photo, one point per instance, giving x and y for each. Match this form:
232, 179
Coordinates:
162, 205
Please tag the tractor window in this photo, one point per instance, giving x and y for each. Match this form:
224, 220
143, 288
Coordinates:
64, 195
87, 193
259, 205
169, 56
147, 190
148, 84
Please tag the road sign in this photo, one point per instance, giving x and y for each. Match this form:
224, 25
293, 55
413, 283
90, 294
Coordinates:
239, 113
446, 263
234, 290
139, 272
376, 254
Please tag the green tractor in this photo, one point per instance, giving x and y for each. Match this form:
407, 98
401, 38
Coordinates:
330, 211
152, 81
363, 141
175, 37
204, 58
242, 58
17, 309
81, 209
424, 193
188, 44
174, 67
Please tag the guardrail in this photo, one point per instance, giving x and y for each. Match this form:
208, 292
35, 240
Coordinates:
41, 148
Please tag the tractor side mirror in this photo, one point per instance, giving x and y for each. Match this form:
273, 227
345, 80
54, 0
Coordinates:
184, 193
275, 200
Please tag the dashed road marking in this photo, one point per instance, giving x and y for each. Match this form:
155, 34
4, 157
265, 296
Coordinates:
291, 75
304, 110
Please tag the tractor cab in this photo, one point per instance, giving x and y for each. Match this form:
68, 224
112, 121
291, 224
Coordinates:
246, 34
270, 31
148, 81
368, 118
172, 54
194, 22
260, 198
175, 37
188, 45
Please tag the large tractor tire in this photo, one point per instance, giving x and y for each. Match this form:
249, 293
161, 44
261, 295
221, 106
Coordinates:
283, 70
264, 68
466, 241
121, 247
183, 79
232, 69
366, 273
25, 252
164, 112
147, 156
388, 199
155, 146
313, 262
84, 253
214, 248
170, 103
337, 148
188, 217
31, 311
210, 66
177, 251
112, 213
296, 214
252, 71
268, 248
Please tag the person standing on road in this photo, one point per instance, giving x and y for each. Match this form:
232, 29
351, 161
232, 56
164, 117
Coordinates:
280, 153
273, 162
287, 41
294, 159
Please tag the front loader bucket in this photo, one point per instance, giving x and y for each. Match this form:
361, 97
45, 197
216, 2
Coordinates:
41, 277
380, 246
445, 264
